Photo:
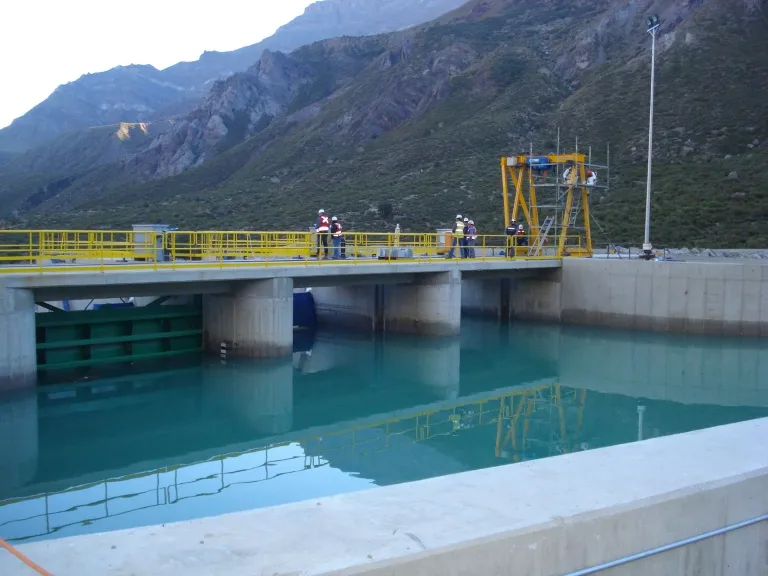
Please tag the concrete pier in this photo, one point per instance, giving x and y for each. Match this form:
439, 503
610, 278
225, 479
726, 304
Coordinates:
431, 306
18, 354
256, 319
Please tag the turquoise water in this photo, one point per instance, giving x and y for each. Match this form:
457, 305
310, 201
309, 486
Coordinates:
349, 413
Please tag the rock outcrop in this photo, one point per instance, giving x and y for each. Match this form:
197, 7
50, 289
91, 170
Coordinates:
143, 93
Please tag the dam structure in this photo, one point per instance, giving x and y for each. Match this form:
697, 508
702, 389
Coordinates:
512, 409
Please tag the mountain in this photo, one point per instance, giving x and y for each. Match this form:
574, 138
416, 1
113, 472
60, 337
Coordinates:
408, 127
122, 94
5, 157
143, 93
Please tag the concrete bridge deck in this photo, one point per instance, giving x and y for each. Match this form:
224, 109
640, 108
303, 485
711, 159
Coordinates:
180, 278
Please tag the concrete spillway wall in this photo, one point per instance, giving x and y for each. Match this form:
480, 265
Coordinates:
719, 298
686, 297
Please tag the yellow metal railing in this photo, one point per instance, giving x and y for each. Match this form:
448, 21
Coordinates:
88, 250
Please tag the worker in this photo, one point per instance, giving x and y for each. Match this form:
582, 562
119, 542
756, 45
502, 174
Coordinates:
465, 239
591, 178
457, 235
511, 232
522, 239
471, 239
570, 174
322, 227
336, 237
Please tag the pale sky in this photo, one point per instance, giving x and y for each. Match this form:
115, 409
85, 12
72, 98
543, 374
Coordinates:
45, 43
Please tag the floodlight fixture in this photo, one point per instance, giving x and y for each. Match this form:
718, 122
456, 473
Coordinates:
653, 23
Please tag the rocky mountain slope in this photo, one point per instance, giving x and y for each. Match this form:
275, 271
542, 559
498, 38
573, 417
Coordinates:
408, 127
143, 93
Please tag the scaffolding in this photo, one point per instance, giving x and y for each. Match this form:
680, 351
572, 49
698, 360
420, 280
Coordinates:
553, 193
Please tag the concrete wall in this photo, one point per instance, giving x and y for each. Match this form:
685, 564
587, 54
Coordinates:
18, 353
430, 305
690, 297
483, 298
350, 307
537, 298
541, 518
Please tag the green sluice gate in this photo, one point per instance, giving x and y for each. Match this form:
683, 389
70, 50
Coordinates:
116, 336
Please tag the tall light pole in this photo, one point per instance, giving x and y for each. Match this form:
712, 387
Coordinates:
653, 26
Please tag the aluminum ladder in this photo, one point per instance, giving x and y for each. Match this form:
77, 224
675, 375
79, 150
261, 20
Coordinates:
538, 243
574, 213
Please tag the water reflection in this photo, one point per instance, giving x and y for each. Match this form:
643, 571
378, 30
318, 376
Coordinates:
345, 413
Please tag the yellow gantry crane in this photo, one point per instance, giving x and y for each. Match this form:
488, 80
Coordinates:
553, 193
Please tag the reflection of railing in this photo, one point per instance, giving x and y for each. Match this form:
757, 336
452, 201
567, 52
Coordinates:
49, 513
107, 499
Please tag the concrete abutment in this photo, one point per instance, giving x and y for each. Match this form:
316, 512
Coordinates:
255, 320
18, 353
717, 298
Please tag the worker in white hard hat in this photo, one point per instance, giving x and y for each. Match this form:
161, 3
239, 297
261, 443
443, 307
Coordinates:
511, 233
522, 239
471, 237
322, 227
458, 236
465, 240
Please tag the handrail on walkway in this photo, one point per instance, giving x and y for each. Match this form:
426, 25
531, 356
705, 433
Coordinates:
668, 547
45, 251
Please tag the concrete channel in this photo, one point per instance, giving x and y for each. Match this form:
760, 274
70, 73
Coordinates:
554, 516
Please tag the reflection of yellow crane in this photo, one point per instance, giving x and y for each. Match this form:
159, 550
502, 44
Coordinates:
531, 406
552, 191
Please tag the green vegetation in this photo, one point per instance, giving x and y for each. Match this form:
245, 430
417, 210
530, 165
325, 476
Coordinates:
417, 139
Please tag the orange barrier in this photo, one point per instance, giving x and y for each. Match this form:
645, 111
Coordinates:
27, 561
